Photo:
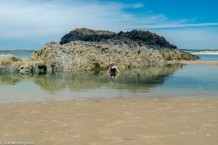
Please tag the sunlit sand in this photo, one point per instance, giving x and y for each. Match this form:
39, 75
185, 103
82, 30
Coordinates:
152, 121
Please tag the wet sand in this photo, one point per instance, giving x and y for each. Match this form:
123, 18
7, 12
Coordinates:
201, 62
150, 121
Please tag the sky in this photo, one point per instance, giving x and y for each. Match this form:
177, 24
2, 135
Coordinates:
29, 24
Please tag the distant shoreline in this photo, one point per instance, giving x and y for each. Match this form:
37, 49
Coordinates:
17, 50
206, 52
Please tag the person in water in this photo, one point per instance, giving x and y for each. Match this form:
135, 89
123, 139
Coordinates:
113, 71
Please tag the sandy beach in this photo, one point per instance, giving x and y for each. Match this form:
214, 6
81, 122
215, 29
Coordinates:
132, 121
150, 121
108, 72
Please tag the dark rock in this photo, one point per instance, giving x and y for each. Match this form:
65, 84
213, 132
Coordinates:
87, 35
136, 36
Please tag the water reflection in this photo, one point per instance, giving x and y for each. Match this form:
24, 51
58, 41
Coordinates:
145, 79
13, 79
131, 80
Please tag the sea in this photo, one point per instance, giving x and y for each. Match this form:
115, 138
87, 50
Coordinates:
178, 80
17, 53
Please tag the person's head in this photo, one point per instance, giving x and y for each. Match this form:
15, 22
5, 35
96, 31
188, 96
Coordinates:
112, 63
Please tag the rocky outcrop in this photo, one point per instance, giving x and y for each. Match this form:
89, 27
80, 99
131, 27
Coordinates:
86, 49
135, 37
87, 35
10, 63
29, 66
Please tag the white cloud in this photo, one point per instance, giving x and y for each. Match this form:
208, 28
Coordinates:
25, 18
50, 20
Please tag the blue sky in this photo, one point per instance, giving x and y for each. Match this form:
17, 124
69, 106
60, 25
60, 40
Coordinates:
29, 24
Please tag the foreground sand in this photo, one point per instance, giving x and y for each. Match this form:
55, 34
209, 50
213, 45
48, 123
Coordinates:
150, 121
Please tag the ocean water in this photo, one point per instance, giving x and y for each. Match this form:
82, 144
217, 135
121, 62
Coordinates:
165, 81
19, 54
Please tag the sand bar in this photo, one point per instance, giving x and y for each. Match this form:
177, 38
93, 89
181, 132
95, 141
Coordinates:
150, 121
213, 63
206, 52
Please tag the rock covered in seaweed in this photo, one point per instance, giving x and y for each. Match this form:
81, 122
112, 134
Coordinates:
10, 63
86, 49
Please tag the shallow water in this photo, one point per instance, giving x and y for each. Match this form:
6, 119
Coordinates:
208, 57
171, 80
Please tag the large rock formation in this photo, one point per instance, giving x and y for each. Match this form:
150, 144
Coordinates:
85, 49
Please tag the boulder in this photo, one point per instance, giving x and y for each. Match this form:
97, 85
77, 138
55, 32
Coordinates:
9, 63
29, 66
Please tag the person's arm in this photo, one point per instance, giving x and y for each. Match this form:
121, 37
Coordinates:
108, 70
117, 69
